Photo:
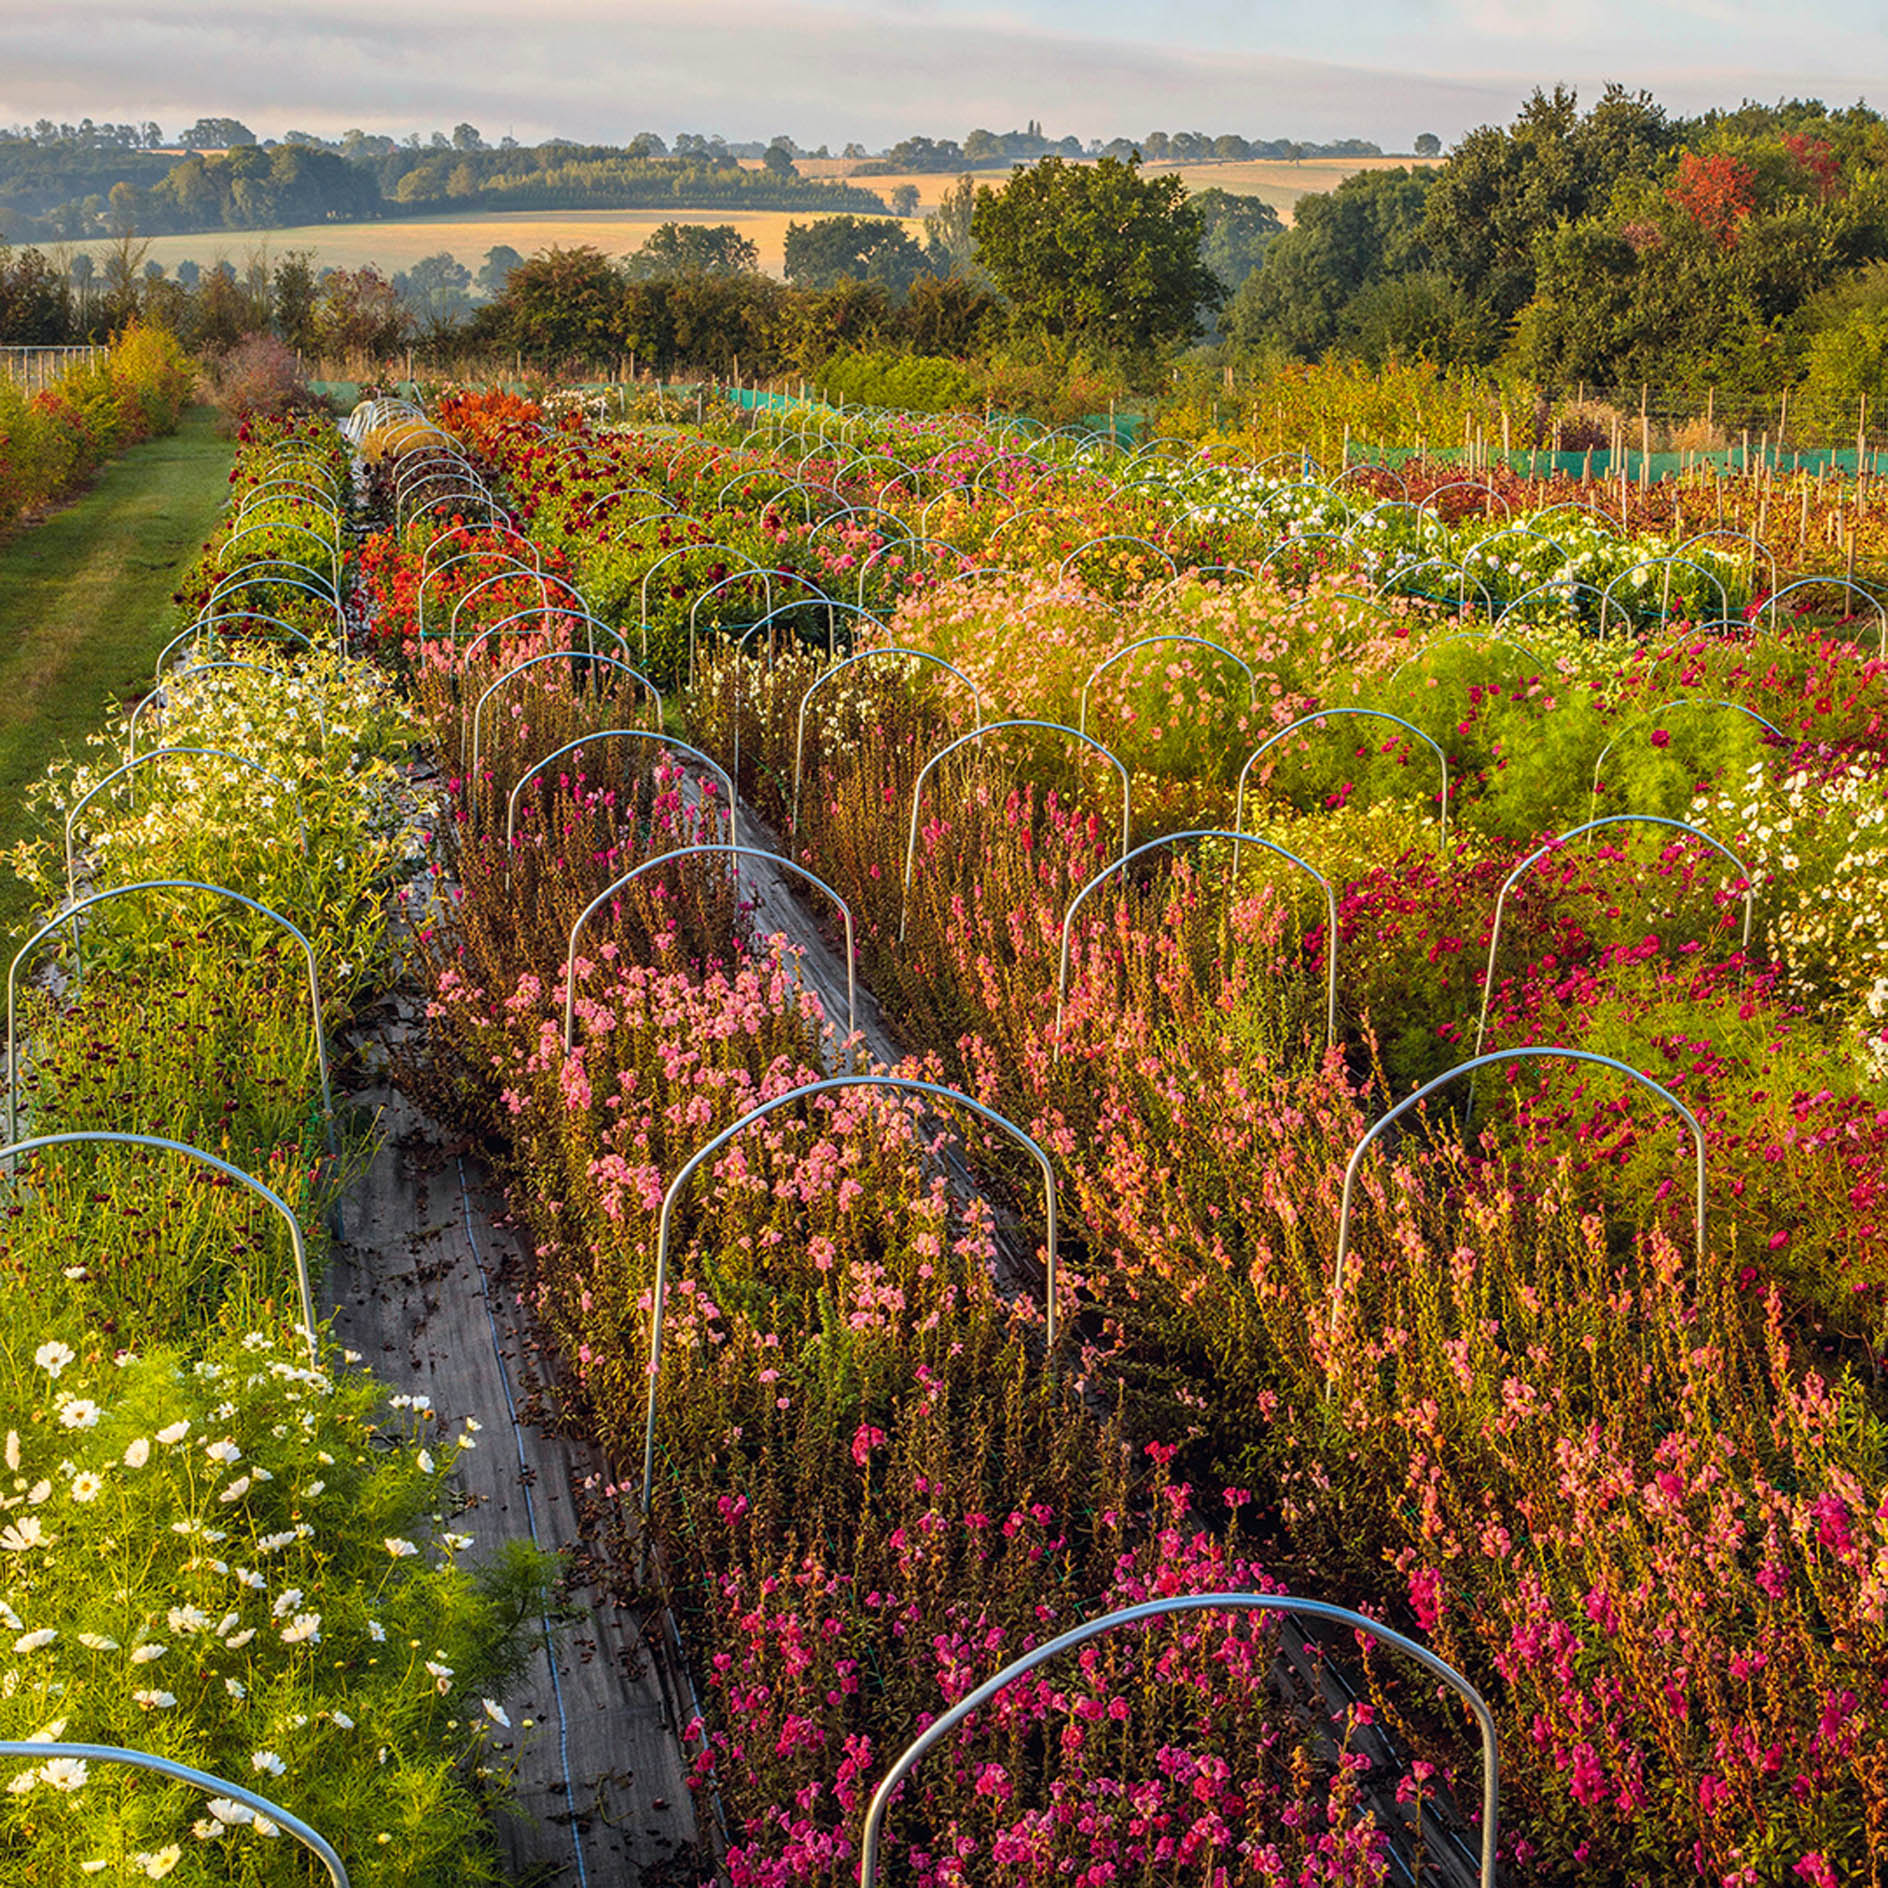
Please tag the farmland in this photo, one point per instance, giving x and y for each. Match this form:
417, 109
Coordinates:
396, 243
1367, 1085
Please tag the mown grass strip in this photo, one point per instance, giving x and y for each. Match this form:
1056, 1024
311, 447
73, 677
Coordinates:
85, 608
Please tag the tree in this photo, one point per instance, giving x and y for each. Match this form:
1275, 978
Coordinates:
646, 144
1096, 254
293, 295
904, 200
466, 138
216, 134
359, 314
1427, 144
778, 161
500, 260
1239, 230
1366, 231
832, 249
675, 249
564, 304
435, 289
947, 231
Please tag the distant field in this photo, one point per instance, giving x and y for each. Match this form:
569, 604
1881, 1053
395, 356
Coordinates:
1281, 184
396, 244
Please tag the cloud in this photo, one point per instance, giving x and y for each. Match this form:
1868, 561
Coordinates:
822, 70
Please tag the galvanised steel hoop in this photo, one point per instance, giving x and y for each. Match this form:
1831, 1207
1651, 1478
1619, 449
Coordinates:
846, 662
1464, 485
1567, 588
873, 1834
102, 1137
569, 613
310, 1840
209, 668
227, 616
252, 574
478, 554
556, 655
279, 526
815, 595
1833, 583
976, 734
830, 1085
1665, 589
1115, 537
277, 490
167, 753
1562, 839
1148, 642
1324, 714
1198, 573
731, 852
615, 734
1238, 839
70, 916
1481, 637
542, 578
1533, 1052
1666, 707
684, 550
1303, 541
1585, 508
330, 582
1757, 545
908, 546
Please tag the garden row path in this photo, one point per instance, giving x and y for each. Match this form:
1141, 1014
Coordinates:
425, 1286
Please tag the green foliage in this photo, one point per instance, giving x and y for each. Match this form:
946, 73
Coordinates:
692, 249
1096, 255
1367, 231
833, 249
919, 383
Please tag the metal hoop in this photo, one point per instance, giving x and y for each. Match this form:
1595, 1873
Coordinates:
1209, 832
832, 1083
944, 1725
689, 852
553, 655
997, 727
1198, 642
99, 1136
614, 734
846, 662
166, 753
1652, 714
1561, 839
1532, 1052
1374, 714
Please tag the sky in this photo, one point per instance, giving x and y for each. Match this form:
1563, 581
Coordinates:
832, 71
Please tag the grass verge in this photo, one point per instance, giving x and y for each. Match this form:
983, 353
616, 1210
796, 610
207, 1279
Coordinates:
85, 609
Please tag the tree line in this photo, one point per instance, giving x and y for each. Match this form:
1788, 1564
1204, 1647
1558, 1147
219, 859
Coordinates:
1744, 250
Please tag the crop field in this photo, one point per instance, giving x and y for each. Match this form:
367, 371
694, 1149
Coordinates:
1280, 183
1184, 1146
395, 244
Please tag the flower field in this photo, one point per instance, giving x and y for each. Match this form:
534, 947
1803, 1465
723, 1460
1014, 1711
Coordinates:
1384, 1102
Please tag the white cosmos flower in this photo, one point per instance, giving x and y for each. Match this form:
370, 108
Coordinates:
145, 1654
79, 1412
53, 1356
97, 1642
86, 1486
398, 1548
65, 1773
232, 1815
305, 1626
223, 1451
175, 1433
32, 1641
137, 1453
496, 1712
154, 1700
267, 1760
159, 1864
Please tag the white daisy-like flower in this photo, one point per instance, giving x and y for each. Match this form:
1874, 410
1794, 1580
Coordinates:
32, 1641
496, 1712
175, 1433
53, 1356
79, 1412
87, 1486
154, 1700
137, 1453
267, 1761
399, 1549
148, 1654
65, 1773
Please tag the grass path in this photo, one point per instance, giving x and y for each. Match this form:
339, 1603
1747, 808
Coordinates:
85, 608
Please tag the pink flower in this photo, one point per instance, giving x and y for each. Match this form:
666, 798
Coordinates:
864, 1442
